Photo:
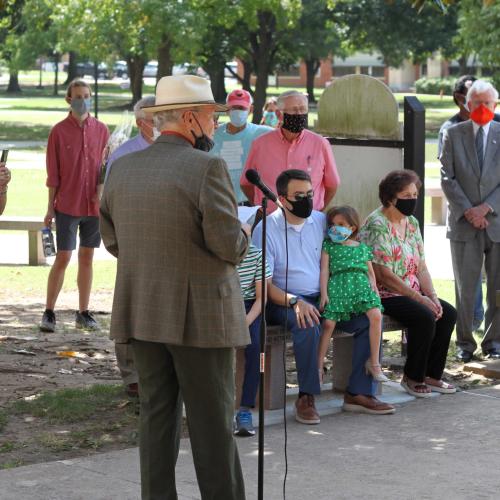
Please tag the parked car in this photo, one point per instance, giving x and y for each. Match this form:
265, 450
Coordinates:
120, 69
150, 70
234, 66
87, 69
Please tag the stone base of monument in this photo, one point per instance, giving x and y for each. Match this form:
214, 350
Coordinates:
487, 368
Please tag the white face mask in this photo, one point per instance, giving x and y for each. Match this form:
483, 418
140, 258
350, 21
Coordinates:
156, 133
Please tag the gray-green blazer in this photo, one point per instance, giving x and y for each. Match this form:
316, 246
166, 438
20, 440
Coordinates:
465, 185
169, 214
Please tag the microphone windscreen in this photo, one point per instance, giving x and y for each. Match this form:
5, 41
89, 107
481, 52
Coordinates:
252, 176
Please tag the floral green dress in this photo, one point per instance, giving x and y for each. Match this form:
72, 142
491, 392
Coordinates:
401, 255
349, 289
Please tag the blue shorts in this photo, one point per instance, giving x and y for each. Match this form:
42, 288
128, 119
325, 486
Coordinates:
67, 226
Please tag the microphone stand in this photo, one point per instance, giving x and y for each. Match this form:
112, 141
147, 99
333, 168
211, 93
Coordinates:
260, 489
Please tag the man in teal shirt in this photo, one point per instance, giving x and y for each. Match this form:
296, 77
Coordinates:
234, 138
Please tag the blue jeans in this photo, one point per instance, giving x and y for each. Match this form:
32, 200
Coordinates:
252, 370
359, 381
305, 344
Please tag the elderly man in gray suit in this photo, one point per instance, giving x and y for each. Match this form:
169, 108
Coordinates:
470, 177
169, 214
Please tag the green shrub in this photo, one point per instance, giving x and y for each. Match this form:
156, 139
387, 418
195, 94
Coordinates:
435, 86
445, 85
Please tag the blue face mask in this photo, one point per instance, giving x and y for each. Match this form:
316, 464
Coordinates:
238, 117
81, 106
339, 234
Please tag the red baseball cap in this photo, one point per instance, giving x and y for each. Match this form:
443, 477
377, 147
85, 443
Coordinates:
239, 97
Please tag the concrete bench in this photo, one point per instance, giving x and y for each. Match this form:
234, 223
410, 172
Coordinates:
438, 201
275, 379
33, 226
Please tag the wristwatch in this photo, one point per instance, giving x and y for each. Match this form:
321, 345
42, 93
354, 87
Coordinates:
293, 301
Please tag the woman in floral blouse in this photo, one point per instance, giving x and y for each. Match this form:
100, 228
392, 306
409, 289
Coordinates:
405, 285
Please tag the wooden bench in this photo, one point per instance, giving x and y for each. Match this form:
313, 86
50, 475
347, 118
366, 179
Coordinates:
438, 201
275, 379
33, 226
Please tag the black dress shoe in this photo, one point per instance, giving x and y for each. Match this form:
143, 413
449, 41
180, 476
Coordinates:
492, 353
464, 356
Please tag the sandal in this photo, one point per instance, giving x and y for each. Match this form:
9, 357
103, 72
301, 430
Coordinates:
442, 387
375, 371
410, 389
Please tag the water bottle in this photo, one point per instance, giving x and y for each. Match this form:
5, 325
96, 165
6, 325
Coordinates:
49, 249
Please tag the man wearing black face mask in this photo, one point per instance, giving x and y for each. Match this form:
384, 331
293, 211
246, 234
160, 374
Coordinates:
292, 146
305, 231
169, 215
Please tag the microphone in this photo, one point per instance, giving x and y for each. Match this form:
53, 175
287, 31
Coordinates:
253, 177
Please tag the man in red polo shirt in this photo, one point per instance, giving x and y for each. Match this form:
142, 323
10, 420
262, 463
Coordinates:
292, 146
74, 155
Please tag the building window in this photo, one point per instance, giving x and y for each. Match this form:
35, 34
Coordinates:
378, 71
293, 70
344, 70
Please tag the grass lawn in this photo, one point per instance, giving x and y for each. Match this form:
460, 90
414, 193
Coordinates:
33, 279
27, 193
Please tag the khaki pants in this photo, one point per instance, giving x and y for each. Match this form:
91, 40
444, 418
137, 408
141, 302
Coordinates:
204, 379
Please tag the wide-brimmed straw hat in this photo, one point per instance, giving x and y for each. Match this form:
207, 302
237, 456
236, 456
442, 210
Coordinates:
183, 91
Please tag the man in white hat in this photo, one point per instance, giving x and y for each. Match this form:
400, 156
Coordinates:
169, 214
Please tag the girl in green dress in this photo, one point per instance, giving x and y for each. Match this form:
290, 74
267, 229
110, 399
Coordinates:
348, 285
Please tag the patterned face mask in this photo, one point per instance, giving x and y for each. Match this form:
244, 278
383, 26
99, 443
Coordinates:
294, 123
339, 234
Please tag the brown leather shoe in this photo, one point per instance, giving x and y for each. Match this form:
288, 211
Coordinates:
132, 390
305, 411
366, 404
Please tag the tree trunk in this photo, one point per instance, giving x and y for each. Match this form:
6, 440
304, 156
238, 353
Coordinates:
217, 83
259, 97
71, 68
165, 61
56, 73
262, 43
135, 66
462, 64
247, 73
14, 82
312, 66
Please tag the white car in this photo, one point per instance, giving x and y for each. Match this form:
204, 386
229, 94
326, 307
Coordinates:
150, 70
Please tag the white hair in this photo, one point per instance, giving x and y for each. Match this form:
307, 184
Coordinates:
143, 103
161, 118
480, 87
280, 102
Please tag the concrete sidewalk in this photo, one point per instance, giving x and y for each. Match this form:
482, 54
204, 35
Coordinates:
442, 448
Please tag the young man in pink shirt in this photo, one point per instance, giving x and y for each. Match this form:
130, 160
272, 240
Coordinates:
74, 156
292, 146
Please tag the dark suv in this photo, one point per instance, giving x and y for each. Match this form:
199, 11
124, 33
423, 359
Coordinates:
87, 69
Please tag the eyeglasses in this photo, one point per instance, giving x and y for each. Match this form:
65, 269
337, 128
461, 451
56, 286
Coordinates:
296, 111
302, 196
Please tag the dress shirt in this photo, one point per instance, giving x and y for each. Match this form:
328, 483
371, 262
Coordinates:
271, 154
486, 129
137, 143
304, 251
74, 157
